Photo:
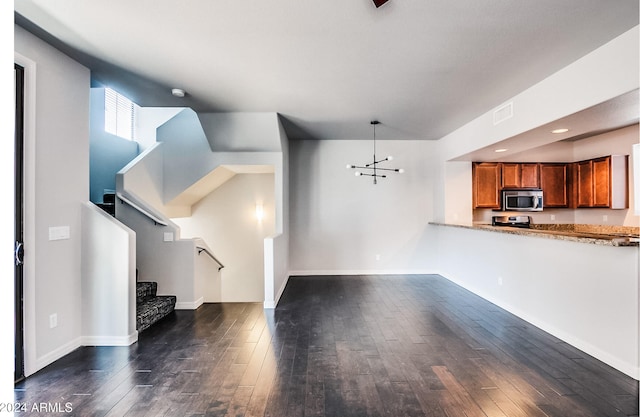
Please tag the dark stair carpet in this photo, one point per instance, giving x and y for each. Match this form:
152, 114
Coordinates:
108, 203
151, 307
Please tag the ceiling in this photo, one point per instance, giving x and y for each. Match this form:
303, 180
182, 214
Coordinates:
617, 113
421, 67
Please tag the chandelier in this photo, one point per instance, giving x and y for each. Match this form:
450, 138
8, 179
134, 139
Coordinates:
373, 168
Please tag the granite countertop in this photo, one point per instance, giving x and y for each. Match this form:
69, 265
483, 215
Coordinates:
585, 233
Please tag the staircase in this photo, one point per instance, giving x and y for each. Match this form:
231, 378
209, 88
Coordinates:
108, 202
151, 307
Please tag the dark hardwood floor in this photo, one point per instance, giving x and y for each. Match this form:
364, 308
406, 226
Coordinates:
339, 346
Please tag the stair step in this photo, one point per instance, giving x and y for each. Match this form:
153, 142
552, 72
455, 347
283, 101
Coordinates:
108, 207
145, 290
109, 198
151, 307
154, 309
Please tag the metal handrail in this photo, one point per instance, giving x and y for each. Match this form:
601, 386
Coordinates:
208, 252
155, 219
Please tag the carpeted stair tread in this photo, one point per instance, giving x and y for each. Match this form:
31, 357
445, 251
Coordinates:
151, 307
145, 290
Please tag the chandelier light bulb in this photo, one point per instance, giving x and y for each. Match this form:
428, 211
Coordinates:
349, 166
358, 174
389, 158
400, 171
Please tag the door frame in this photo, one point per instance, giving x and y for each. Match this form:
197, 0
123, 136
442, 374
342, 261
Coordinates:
29, 219
18, 179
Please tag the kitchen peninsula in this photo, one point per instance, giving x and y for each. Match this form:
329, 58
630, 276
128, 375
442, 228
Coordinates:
576, 282
584, 233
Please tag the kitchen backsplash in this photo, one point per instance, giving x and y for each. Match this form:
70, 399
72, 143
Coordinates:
566, 216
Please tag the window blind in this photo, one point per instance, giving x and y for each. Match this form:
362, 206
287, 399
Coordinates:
119, 114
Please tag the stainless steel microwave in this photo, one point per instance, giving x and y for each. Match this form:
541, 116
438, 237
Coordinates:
522, 200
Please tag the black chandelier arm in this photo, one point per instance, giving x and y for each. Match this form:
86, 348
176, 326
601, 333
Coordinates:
377, 162
362, 174
377, 168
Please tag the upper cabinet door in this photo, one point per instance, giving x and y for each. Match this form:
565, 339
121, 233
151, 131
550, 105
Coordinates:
530, 175
520, 175
584, 177
553, 181
511, 175
486, 184
601, 182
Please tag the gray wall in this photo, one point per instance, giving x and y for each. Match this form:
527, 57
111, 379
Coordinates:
57, 184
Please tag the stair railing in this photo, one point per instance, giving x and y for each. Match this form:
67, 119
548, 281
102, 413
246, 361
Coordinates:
146, 213
208, 252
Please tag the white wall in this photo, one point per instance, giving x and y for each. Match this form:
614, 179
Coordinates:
340, 222
241, 132
226, 220
587, 295
108, 280
208, 275
148, 120
57, 131
276, 248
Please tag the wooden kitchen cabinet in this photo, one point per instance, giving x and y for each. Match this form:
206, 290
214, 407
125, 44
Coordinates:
511, 175
487, 180
554, 180
520, 175
603, 182
530, 175
584, 180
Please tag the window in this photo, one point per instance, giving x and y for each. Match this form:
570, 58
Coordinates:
119, 114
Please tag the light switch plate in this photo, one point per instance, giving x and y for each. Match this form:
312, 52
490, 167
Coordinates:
168, 236
59, 233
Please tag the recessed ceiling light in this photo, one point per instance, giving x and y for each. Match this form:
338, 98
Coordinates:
563, 130
178, 92
500, 150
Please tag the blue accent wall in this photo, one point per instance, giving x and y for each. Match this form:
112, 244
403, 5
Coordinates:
108, 153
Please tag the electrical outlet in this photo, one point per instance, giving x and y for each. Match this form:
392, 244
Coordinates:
168, 236
53, 321
605, 218
553, 217
377, 257
500, 281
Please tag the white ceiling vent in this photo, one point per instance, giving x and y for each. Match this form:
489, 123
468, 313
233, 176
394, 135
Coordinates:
503, 113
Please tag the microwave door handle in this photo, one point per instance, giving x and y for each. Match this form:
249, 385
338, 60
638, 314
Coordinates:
535, 201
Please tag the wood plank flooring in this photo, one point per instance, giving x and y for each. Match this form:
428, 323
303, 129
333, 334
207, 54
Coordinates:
339, 346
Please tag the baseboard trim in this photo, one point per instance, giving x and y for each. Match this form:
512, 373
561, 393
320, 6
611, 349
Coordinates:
274, 304
110, 340
347, 272
58, 353
190, 305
